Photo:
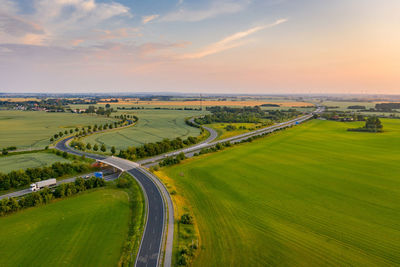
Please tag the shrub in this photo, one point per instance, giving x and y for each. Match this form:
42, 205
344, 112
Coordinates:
187, 219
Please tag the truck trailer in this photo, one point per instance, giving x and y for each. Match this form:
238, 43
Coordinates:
42, 184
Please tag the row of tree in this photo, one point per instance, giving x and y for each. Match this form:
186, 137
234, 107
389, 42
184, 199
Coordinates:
88, 147
153, 149
10, 205
245, 115
20, 178
124, 120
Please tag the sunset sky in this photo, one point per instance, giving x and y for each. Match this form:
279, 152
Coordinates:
212, 46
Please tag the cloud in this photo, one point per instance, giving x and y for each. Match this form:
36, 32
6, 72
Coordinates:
215, 9
57, 22
229, 42
17, 26
147, 19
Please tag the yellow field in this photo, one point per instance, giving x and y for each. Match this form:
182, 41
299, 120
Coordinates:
208, 103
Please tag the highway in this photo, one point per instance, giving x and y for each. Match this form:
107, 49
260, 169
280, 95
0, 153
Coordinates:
213, 135
153, 236
235, 139
160, 216
20, 193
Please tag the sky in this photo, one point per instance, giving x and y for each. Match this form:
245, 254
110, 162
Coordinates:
210, 46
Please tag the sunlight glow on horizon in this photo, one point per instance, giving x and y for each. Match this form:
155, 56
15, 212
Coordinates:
226, 46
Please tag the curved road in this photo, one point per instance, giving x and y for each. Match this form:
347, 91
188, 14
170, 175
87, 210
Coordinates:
152, 239
158, 201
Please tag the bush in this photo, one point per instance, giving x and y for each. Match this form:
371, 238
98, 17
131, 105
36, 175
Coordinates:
123, 183
187, 219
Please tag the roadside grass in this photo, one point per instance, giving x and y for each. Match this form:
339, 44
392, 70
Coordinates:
313, 195
33, 129
87, 229
153, 126
224, 133
136, 224
185, 235
28, 160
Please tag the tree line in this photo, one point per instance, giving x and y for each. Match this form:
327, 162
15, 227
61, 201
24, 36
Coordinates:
245, 115
46, 195
153, 149
372, 124
20, 178
124, 121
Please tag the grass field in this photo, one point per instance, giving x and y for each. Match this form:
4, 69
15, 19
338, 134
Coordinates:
223, 133
153, 126
84, 230
28, 160
25, 129
315, 195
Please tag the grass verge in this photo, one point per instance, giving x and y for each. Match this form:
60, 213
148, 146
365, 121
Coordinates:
137, 215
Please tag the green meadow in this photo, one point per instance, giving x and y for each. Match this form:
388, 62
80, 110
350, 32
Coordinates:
313, 195
153, 126
88, 229
28, 160
33, 129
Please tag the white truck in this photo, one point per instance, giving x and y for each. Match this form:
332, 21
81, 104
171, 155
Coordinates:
45, 183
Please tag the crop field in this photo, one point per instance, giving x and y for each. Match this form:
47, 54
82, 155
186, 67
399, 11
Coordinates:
213, 103
153, 126
85, 230
28, 160
33, 129
314, 195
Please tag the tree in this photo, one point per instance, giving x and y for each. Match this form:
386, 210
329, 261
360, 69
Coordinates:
108, 105
103, 148
88, 146
4, 152
95, 147
123, 183
51, 139
113, 150
374, 124
187, 219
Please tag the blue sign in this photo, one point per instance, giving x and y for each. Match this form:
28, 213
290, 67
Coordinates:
98, 174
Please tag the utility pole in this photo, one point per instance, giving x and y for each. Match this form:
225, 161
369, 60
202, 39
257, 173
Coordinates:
201, 102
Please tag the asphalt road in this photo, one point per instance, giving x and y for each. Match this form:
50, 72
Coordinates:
151, 245
69, 180
149, 161
152, 238
189, 152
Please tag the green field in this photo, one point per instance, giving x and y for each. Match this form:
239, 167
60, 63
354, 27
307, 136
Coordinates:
223, 133
153, 126
314, 195
84, 230
28, 160
33, 129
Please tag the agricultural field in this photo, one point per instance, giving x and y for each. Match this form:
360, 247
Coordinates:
313, 195
343, 106
153, 126
88, 229
206, 103
33, 129
28, 160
